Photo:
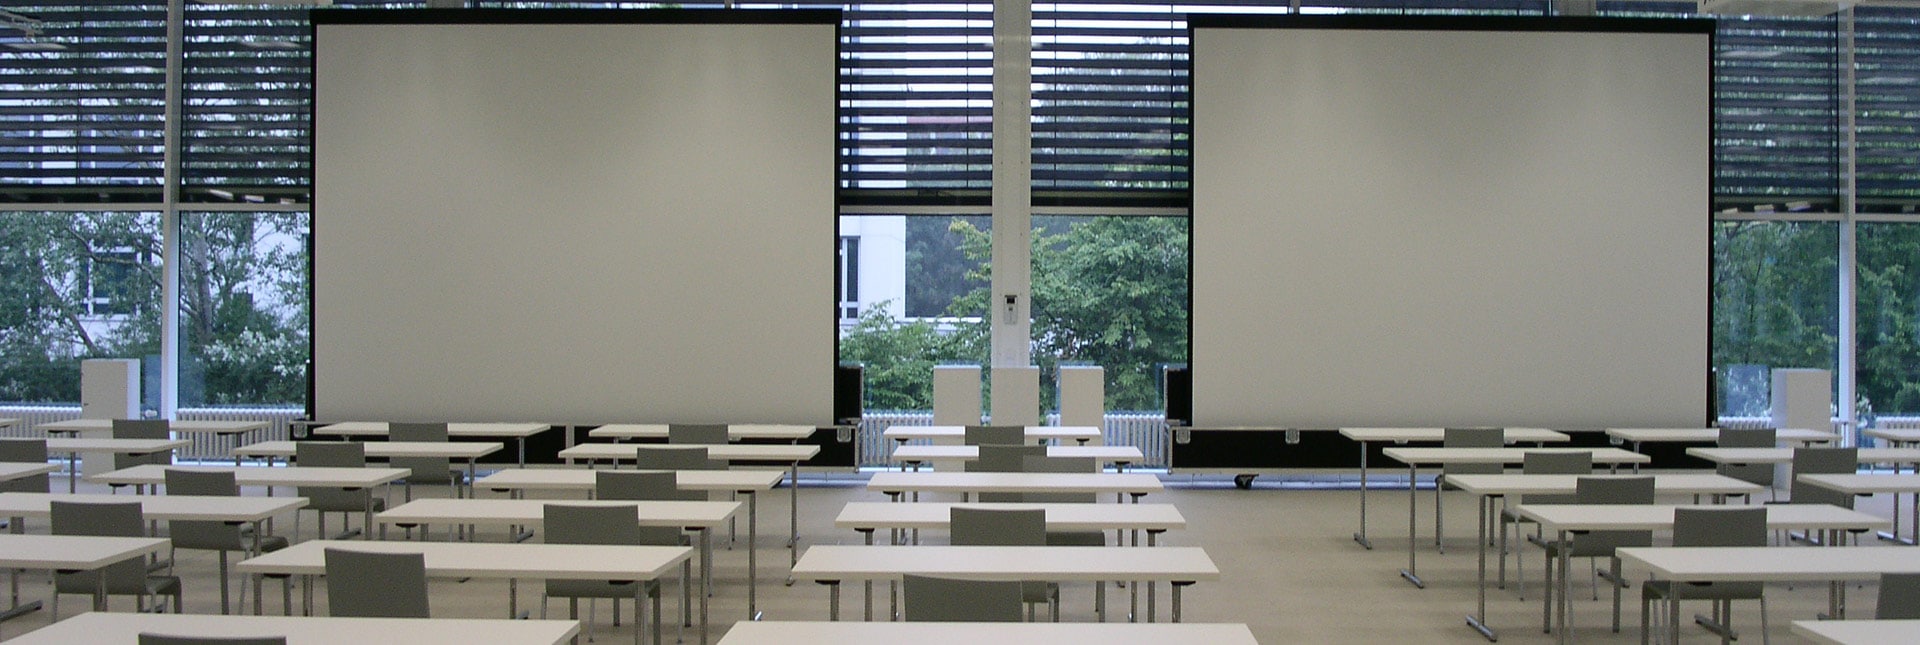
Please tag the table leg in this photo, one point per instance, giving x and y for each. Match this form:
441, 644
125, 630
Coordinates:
706, 579
753, 560
73, 470
1565, 601
1361, 537
1413, 533
793, 515
1478, 621
1176, 599
833, 600
1100, 600
869, 582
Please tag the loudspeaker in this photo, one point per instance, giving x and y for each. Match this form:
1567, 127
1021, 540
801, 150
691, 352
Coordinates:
848, 381
1179, 388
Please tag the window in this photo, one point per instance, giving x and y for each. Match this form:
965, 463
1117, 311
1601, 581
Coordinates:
848, 285
77, 286
1775, 305
243, 309
110, 280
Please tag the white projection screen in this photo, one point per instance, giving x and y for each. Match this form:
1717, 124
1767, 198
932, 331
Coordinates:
574, 217
1428, 222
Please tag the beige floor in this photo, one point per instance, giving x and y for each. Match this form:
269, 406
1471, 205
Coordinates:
1291, 571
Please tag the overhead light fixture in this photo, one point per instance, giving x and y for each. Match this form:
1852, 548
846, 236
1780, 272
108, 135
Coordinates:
1773, 7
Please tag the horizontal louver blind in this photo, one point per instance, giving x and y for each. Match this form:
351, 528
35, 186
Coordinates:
916, 82
247, 90
1776, 106
81, 103
1887, 100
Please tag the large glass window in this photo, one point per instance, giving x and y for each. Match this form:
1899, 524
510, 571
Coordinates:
1888, 319
77, 286
243, 309
922, 297
1775, 305
1112, 292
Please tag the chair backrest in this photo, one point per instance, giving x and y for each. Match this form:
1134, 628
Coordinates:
708, 433
363, 584
1045, 464
658, 457
1004, 458
195, 534
201, 482
1612, 490
982, 435
141, 429
930, 599
1899, 597
1473, 438
1761, 474
332, 454
32, 451
602, 524
996, 527
164, 639
1822, 461
641, 485
1572, 462
430, 470
101, 519
1720, 526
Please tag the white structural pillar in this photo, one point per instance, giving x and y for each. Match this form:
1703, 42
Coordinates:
1083, 396
170, 213
1016, 396
956, 395
1012, 183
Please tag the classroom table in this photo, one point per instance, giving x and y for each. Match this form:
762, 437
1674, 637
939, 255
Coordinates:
1565, 519
1364, 436
1869, 484
103, 628
896, 484
73, 447
1832, 565
1637, 436
142, 477
69, 553
1489, 488
518, 432
1845, 632
945, 457
735, 432
945, 633
1180, 566
204, 508
1897, 436
1744, 456
235, 431
471, 451
957, 434
866, 517
698, 516
477, 560
790, 455
1416, 457
516, 482
10, 471
8, 422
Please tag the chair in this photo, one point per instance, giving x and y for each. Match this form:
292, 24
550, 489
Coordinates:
348, 502
638, 485
658, 457
1003, 458
1822, 461
706, 433
1572, 462
140, 429
161, 639
1463, 438
1761, 474
1725, 526
426, 470
218, 536
1045, 464
982, 435
611, 524
930, 599
995, 527
1899, 597
124, 578
362, 584
25, 451
1602, 544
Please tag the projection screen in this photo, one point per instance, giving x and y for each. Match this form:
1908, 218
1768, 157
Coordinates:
1421, 222
574, 217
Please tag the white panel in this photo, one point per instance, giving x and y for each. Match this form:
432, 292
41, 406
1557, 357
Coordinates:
1016, 396
1450, 227
574, 223
956, 395
110, 388
1802, 398
1083, 396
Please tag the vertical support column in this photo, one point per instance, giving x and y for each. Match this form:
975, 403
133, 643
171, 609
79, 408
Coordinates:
1012, 210
170, 213
1849, 210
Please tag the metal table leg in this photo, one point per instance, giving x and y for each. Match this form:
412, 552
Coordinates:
1361, 537
1413, 525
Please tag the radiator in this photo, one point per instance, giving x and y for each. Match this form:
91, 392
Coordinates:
1144, 430
203, 447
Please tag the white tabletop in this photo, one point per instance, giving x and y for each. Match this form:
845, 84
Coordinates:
160, 507
1060, 517
1637, 517
583, 479
1851, 632
1439, 456
1076, 433
73, 551
1772, 563
1785, 455
892, 482
531, 511
730, 452
251, 476
828, 562
176, 425
844, 633
388, 449
1652, 435
10, 471
379, 429
127, 446
1128, 454
1513, 435
735, 431
492, 560
118, 628
1866, 484
1524, 484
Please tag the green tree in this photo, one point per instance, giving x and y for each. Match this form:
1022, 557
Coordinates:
1774, 293
899, 358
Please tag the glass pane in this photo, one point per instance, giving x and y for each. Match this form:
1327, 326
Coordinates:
1775, 289
1112, 292
243, 309
78, 286
1888, 301
920, 294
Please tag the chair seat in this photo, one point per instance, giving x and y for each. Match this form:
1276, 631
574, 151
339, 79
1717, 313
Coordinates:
1702, 590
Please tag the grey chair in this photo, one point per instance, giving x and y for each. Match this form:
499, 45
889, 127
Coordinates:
1463, 438
163, 639
1724, 526
140, 429
706, 433
124, 578
24, 451
1761, 474
658, 457
1899, 597
324, 500
1003, 458
1602, 544
641, 485
931, 599
1045, 464
610, 524
1574, 462
362, 584
982, 435
994, 527
425, 470
217, 536
1822, 461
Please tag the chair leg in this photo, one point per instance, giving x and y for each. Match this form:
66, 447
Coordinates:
1546, 595
1646, 617
1765, 638
1618, 586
